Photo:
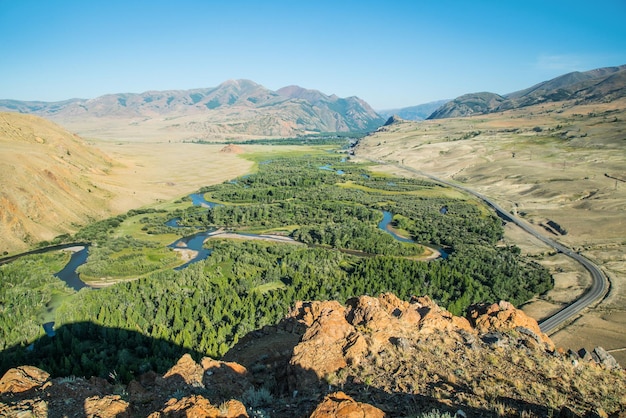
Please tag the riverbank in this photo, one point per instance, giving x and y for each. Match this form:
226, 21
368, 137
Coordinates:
222, 233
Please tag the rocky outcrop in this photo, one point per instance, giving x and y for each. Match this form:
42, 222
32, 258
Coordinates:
340, 405
503, 316
232, 149
109, 406
393, 119
198, 406
186, 371
22, 378
227, 379
338, 336
380, 350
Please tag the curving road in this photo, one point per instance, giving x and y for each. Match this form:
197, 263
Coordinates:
599, 285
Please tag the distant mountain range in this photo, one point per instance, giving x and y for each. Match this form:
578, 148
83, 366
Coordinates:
599, 85
419, 112
235, 108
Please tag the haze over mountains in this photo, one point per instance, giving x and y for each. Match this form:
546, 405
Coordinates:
234, 109
418, 112
599, 85
243, 109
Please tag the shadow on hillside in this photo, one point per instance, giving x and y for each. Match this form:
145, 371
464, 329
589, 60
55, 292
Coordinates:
88, 349
116, 356
302, 390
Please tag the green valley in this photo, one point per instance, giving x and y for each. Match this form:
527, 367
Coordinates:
315, 197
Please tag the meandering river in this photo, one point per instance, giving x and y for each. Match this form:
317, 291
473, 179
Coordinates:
195, 245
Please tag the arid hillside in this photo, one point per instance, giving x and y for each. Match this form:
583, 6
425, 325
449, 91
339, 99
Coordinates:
561, 167
54, 182
601, 85
47, 181
371, 357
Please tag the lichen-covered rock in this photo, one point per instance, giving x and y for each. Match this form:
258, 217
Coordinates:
109, 406
340, 405
197, 406
503, 317
321, 349
21, 379
185, 371
228, 379
605, 359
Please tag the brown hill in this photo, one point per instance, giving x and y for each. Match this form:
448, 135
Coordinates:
601, 85
45, 175
232, 149
234, 109
372, 357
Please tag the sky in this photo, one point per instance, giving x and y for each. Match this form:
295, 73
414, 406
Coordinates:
391, 53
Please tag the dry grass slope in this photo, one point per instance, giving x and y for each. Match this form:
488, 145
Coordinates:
46, 175
53, 181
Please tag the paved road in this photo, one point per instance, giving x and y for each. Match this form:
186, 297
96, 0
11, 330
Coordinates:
599, 285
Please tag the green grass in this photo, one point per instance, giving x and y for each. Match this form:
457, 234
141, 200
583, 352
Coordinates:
260, 156
267, 287
130, 264
442, 192
132, 226
58, 298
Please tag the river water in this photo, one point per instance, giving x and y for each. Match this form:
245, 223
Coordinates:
193, 242
69, 274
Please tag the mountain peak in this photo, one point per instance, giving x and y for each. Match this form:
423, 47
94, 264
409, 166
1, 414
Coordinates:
239, 83
236, 108
297, 92
599, 85
394, 119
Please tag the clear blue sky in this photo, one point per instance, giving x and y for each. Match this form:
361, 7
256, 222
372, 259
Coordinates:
389, 53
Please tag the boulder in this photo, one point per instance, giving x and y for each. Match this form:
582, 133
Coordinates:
198, 406
228, 379
21, 379
321, 349
340, 405
185, 371
605, 359
435, 318
110, 406
503, 316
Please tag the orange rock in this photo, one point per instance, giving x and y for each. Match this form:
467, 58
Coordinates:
137, 393
112, 406
504, 316
22, 378
186, 369
208, 364
229, 379
340, 405
197, 406
308, 312
367, 311
321, 349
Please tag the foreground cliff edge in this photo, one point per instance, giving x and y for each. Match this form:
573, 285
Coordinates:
372, 357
